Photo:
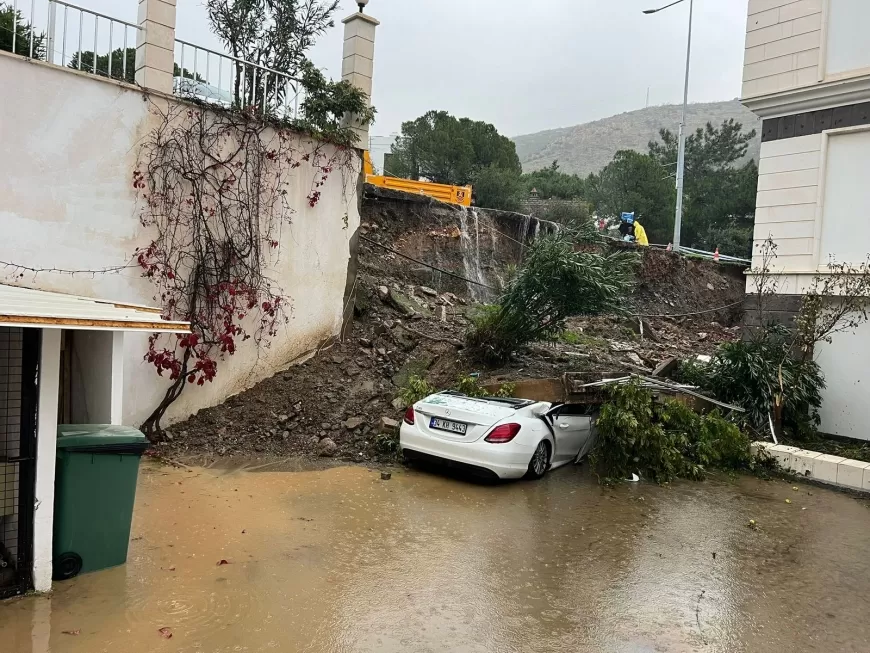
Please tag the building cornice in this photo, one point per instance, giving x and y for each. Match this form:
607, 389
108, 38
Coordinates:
824, 95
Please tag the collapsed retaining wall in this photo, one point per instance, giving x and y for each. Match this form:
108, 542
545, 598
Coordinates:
479, 245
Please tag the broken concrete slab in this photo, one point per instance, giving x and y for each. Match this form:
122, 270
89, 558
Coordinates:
388, 425
412, 367
353, 423
428, 291
666, 368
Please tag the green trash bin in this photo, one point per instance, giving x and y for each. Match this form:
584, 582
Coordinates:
94, 492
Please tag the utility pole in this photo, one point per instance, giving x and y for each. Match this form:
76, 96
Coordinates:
681, 154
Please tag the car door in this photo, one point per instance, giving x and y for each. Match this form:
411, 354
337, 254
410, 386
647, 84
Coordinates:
571, 429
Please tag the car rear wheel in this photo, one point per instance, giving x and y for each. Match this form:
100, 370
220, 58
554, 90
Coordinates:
540, 462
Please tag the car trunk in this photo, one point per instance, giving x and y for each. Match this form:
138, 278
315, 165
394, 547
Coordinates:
478, 414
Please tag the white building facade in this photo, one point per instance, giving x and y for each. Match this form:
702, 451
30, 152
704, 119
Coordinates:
807, 75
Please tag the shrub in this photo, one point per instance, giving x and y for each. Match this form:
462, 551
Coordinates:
416, 389
761, 373
662, 441
555, 283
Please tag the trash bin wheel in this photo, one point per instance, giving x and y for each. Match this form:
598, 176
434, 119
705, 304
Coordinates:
67, 565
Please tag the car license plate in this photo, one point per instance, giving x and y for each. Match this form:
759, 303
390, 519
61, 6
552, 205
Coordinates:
447, 425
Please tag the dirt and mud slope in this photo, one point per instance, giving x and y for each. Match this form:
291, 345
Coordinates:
410, 312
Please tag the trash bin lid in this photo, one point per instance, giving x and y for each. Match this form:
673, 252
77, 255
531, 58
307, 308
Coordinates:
97, 436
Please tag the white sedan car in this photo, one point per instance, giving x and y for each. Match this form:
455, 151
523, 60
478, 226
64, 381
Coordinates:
508, 438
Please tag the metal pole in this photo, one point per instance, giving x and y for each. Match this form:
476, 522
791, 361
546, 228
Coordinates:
52, 25
681, 156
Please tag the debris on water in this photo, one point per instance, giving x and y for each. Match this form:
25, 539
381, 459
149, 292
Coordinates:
795, 488
752, 525
788, 500
386, 476
634, 479
223, 562
71, 632
165, 633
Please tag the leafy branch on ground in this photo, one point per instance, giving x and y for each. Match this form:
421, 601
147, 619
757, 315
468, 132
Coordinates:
556, 282
662, 441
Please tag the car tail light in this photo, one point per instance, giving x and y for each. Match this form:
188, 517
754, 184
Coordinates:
503, 433
409, 415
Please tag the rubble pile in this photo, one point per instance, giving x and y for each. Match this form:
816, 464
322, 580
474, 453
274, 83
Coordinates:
339, 402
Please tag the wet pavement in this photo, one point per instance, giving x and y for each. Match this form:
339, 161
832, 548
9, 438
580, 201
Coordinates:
338, 560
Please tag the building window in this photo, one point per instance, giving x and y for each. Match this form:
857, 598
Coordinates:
847, 42
845, 218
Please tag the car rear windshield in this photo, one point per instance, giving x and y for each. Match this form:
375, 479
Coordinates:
506, 401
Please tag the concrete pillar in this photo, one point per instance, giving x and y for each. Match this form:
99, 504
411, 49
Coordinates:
46, 445
155, 45
358, 65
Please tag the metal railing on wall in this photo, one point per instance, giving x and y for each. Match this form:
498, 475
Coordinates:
216, 78
64, 34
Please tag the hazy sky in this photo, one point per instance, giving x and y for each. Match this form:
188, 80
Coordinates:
524, 66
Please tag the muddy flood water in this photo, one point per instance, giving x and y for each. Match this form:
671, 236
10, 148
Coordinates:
338, 560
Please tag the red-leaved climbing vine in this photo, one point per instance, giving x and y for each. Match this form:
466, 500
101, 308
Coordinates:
213, 188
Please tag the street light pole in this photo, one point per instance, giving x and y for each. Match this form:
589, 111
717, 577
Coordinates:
681, 154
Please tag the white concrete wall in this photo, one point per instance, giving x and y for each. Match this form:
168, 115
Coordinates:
68, 202
847, 51
846, 364
783, 45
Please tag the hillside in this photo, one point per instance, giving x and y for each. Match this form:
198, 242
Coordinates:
589, 147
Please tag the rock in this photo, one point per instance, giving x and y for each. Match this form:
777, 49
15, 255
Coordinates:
399, 404
169, 436
288, 376
703, 336
412, 367
365, 342
666, 368
428, 291
710, 286
285, 435
389, 324
406, 305
383, 293
297, 408
353, 423
381, 329
386, 476
338, 360
323, 434
327, 448
388, 425
283, 418
314, 441
325, 426
637, 360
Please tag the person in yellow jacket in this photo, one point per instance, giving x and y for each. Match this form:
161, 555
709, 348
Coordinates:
640, 235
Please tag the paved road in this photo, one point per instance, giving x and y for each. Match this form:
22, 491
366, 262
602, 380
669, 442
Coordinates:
339, 561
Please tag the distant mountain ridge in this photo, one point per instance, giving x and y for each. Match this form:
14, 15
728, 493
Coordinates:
587, 148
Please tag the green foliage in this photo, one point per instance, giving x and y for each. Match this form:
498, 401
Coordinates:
416, 389
720, 198
506, 390
118, 69
276, 34
470, 386
577, 220
569, 337
556, 282
449, 150
387, 443
757, 374
497, 188
662, 441
551, 183
9, 17
640, 183
327, 103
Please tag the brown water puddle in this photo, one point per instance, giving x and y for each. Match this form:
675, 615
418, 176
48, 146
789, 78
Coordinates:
340, 561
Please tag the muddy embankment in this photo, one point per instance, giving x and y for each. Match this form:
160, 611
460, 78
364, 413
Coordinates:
410, 319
